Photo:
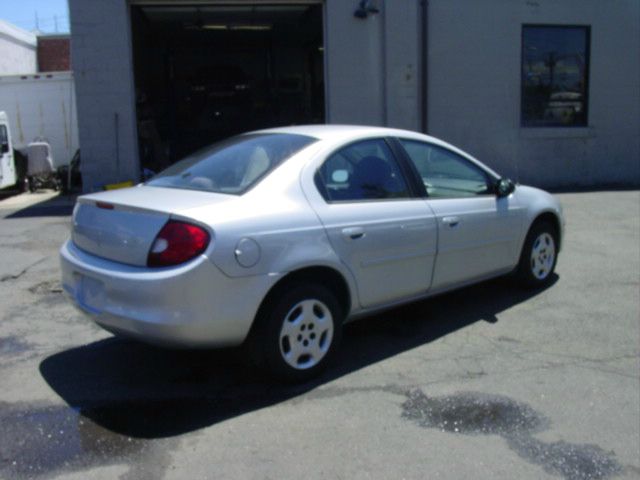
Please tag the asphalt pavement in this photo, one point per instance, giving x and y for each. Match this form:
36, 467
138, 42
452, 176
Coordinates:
489, 382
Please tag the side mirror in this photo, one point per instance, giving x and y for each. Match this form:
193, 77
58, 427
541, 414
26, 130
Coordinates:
504, 187
4, 147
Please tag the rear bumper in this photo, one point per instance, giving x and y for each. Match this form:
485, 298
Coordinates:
192, 305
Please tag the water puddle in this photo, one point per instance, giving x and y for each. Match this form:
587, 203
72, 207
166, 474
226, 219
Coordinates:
11, 346
473, 413
42, 440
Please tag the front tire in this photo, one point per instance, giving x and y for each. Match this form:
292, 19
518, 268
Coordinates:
539, 256
299, 332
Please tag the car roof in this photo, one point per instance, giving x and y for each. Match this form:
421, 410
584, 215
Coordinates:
337, 132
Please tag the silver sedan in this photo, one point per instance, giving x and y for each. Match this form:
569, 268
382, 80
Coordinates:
274, 239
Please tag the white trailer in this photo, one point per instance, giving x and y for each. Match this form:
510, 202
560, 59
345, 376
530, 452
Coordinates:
42, 107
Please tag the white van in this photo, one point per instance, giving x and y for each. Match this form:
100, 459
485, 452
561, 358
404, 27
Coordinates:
8, 175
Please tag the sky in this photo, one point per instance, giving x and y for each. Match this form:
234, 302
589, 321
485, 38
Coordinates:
23, 14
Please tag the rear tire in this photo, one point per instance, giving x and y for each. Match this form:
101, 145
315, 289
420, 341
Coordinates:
23, 185
298, 332
539, 256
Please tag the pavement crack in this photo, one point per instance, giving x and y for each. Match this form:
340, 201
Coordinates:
16, 276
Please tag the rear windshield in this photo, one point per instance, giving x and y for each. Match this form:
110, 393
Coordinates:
232, 166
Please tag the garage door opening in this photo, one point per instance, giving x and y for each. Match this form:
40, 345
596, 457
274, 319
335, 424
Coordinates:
205, 72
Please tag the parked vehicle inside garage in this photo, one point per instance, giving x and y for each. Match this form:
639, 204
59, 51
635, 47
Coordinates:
204, 72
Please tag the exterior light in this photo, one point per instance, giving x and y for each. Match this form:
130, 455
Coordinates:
364, 9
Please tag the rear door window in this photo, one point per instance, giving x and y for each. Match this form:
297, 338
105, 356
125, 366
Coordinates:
365, 170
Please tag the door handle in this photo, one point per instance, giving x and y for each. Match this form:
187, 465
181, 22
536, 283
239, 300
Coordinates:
353, 233
451, 221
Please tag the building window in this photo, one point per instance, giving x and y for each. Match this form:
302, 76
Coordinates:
555, 74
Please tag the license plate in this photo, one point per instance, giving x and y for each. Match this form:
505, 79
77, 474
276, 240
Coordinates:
90, 292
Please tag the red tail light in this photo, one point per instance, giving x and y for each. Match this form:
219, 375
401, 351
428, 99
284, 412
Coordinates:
176, 243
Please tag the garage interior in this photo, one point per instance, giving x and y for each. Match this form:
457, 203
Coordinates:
208, 71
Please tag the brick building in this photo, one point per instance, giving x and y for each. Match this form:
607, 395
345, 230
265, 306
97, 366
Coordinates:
54, 53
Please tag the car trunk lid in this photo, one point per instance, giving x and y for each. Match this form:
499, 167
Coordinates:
121, 225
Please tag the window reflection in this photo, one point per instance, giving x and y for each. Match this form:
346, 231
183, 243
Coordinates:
365, 170
555, 66
444, 173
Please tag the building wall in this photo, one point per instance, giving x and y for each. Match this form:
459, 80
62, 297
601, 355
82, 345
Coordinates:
101, 52
17, 50
474, 90
373, 64
368, 80
373, 76
54, 54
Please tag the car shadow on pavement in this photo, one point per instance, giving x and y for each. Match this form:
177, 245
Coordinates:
144, 392
29, 206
